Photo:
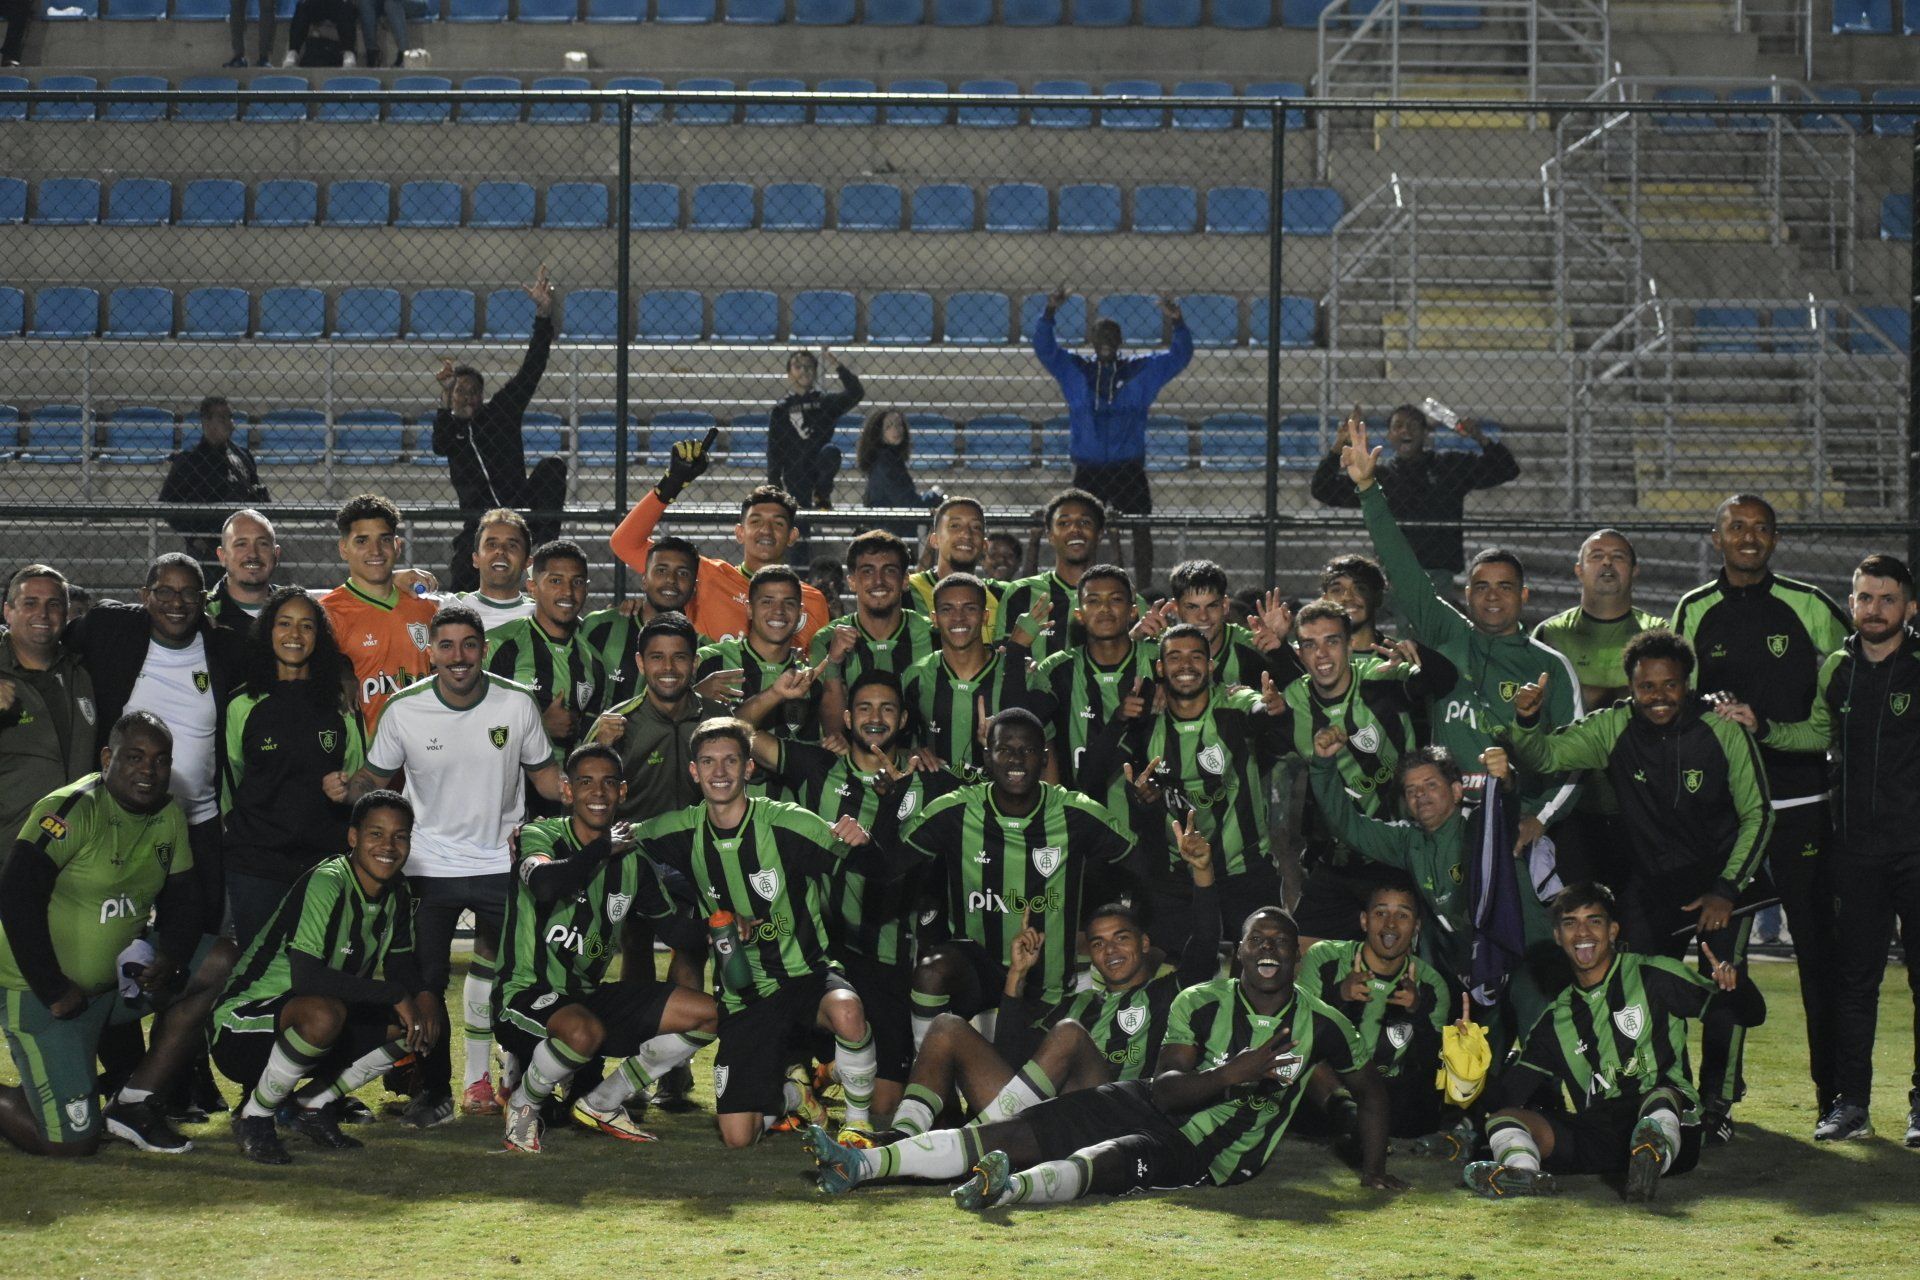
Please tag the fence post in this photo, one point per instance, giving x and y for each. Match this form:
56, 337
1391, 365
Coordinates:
622, 329
1270, 542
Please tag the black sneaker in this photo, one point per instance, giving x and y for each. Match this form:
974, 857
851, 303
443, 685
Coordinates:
353, 1111
318, 1126
1844, 1121
258, 1141
1716, 1129
145, 1126
670, 1092
425, 1112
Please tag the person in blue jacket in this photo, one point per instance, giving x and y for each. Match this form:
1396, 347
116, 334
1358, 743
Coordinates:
1108, 398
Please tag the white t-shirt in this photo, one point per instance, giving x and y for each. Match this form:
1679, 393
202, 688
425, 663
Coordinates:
177, 686
494, 613
464, 771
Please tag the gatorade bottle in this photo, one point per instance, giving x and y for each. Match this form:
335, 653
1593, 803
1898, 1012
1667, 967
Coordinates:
729, 962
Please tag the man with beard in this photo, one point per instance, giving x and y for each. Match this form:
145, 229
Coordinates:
885, 635
546, 652
501, 547
1074, 521
673, 566
952, 693
1240, 655
249, 554
765, 651
47, 707
958, 540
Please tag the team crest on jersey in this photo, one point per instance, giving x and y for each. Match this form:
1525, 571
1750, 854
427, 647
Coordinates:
497, 735
908, 803
1777, 646
617, 905
79, 1113
766, 883
541, 1002
1287, 1069
329, 739
1213, 759
1507, 689
1367, 739
1693, 778
417, 632
1398, 1033
582, 692
164, 852
720, 1080
86, 708
202, 681
1046, 859
1631, 1020
1132, 1018
54, 827
1900, 702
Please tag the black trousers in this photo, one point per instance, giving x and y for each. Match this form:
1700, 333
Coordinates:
1650, 916
540, 499
1872, 893
1797, 867
807, 475
17, 13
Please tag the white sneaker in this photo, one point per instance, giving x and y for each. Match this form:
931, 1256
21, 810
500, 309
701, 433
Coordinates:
348, 60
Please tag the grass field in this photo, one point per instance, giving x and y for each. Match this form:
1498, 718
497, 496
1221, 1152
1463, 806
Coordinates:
450, 1203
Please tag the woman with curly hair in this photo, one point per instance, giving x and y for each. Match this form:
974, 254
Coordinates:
885, 445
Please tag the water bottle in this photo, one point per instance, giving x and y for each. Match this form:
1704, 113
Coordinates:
1440, 413
729, 961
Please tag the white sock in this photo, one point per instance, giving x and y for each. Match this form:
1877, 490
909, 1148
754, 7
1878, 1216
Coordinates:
1029, 1087
1055, 1182
1670, 1130
552, 1065
130, 1095
940, 1155
477, 994
857, 1064
1513, 1146
358, 1073
917, 1111
287, 1065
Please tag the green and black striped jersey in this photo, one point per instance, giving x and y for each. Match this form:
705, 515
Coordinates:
945, 708
1063, 630
1076, 698
1237, 1135
1393, 1038
912, 640
770, 868
1623, 1036
1000, 868
569, 669
326, 915
1240, 660
797, 719
866, 916
616, 638
565, 946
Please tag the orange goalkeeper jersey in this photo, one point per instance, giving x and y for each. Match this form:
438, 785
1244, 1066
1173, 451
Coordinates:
386, 641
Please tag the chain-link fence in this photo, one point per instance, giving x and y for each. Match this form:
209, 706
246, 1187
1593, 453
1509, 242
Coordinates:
1636, 306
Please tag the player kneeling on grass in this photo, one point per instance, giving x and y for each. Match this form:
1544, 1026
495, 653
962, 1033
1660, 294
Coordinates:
304, 1002
1237, 1054
576, 880
1616, 1042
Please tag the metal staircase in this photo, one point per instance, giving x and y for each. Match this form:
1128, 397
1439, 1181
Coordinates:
1516, 49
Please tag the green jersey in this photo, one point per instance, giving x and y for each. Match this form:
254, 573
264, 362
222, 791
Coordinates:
946, 709
565, 945
918, 597
1593, 646
112, 864
796, 719
770, 868
1003, 871
1076, 698
568, 669
1240, 661
1622, 1037
1393, 1038
326, 915
1237, 1135
911, 641
1063, 630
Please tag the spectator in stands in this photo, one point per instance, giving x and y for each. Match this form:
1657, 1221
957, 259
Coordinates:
1108, 399
1006, 559
801, 456
237, 31
395, 13
1426, 491
17, 13
885, 445
323, 33
46, 697
486, 457
216, 471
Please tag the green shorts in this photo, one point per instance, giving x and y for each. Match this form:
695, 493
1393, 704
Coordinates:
55, 1058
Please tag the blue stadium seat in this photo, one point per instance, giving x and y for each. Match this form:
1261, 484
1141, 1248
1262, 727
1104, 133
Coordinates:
1170, 13
943, 206
1056, 441
472, 10
777, 112
1863, 17
67, 202
1018, 207
502, 204
935, 440
743, 445
1212, 318
1168, 445
483, 112
369, 438
66, 110
1304, 440
217, 110
1887, 126
756, 13
1062, 117
13, 311
292, 437
894, 13
1309, 211
134, 112
672, 315
265, 112
13, 108
13, 201
1296, 116
869, 206
653, 206
1297, 14
560, 112
590, 315
597, 445
823, 13
1236, 211
139, 434
547, 11
140, 311
746, 315
682, 424
1791, 331
704, 112
543, 435
1233, 442
367, 314
441, 315
793, 206
997, 442
1910, 19
643, 112
1896, 216
509, 316
1726, 330
1684, 93
1089, 208
576, 206
357, 202
962, 13
1836, 121
1243, 15
684, 12
976, 319
429, 204
1749, 94
986, 116
430, 111
900, 316
286, 202
213, 202
823, 315
1102, 13
1203, 119
135, 10
1069, 323
216, 311
924, 115
1165, 209
1136, 118
1895, 322
293, 314
722, 206
845, 113
65, 311
1299, 320
1032, 13
616, 10
1138, 315
57, 433
1450, 17
349, 111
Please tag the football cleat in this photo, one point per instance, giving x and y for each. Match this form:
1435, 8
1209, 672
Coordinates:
1716, 1128
615, 1123
673, 1091
989, 1182
318, 1125
1453, 1146
1496, 1181
523, 1128
425, 1112
145, 1126
353, 1111
258, 1141
857, 1138
1651, 1153
840, 1166
480, 1099
801, 1097
1843, 1120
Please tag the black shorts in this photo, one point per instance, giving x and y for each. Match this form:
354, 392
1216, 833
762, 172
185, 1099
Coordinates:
1600, 1138
242, 1055
1121, 485
753, 1056
987, 978
1120, 1117
630, 1012
887, 995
